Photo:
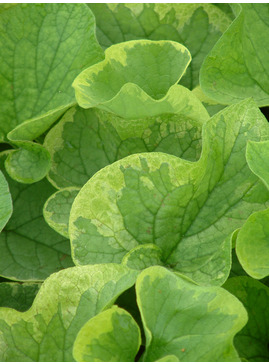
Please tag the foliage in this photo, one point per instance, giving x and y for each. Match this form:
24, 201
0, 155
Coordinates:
134, 201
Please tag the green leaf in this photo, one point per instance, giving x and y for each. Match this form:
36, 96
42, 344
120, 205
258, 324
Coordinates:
85, 141
193, 323
196, 26
18, 296
252, 245
5, 202
257, 157
28, 164
57, 209
238, 65
143, 256
30, 249
168, 358
140, 79
113, 335
188, 209
64, 303
43, 48
252, 341
211, 106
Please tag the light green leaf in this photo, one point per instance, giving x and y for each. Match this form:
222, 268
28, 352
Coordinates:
111, 336
252, 245
43, 48
238, 65
257, 158
5, 202
85, 141
188, 209
30, 249
252, 341
28, 164
64, 303
17, 295
143, 256
211, 106
196, 26
140, 79
57, 209
168, 358
193, 323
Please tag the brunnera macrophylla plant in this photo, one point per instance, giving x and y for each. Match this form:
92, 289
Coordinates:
134, 182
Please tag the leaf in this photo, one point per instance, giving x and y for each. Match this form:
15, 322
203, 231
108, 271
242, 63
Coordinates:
28, 164
36, 69
111, 336
85, 141
18, 296
257, 157
193, 323
237, 66
188, 209
57, 209
252, 245
211, 106
30, 249
143, 256
168, 358
5, 202
64, 303
252, 341
196, 26
140, 79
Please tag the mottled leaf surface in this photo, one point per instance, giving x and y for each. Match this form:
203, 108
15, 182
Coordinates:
64, 303
111, 336
197, 26
252, 341
85, 141
188, 209
43, 48
192, 322
140, 79
238, 65
57, 209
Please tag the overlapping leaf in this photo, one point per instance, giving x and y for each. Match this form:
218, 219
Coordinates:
252, 244
139, 79
57, 209
113, 335
197, 26
43, 48
30, 249
36, 74
85, 141
189, 210
252, 341
238, 65
191, 322
65, 302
